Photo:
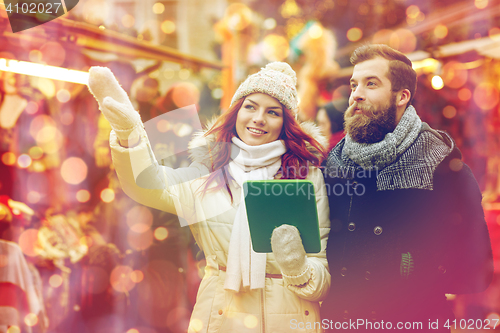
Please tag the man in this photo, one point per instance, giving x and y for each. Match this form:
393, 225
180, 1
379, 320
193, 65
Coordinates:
407, 224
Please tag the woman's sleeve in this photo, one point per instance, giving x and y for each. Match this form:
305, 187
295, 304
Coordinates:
318, 285
151, 184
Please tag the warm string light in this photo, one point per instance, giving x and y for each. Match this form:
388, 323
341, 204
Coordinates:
45, 71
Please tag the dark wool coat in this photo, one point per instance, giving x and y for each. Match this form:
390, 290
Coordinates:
394, 254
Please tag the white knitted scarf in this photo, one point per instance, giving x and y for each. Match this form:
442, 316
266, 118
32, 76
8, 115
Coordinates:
245, 266
372, 156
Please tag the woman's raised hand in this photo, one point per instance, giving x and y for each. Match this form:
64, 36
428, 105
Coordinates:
115, 105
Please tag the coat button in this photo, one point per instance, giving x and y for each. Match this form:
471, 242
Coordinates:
377, 230
343, 271
306, 313
442, 269
351, 226
220, 312
367, 275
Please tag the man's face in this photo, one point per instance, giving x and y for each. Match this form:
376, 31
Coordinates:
372, 103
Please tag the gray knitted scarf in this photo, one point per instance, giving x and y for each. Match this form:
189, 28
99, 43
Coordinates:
406, 158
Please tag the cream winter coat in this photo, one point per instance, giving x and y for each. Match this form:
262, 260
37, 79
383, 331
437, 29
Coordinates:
282, 306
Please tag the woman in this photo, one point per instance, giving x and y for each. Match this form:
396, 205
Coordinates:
331, 121
257, 138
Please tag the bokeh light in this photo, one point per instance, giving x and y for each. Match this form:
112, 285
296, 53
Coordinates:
493, 317
454, 74
354, 34
63, 95
137, 276
31, 319
53, 53
35, 152
34, 197
456, 164
9, 158
120, 279
316, 31
28, 241
494, 33
31, 108
107, 195
55, 281
275, 47
269, 23
185, 94
24, 161
82, 196
158, 8
162, 126
139, 219
161, 233
140, 241
195, 325
464, 94
184, 74
441, 31
250, 321
449, 111
182, 129
168, 27
486, 96
403, 40
35, 56
238, 16
481, 4
132, 330
74, 170
128, 21
437, 82
382, 36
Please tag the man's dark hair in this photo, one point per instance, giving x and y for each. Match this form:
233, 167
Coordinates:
401, 73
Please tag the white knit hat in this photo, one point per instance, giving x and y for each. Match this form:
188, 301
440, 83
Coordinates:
277, 79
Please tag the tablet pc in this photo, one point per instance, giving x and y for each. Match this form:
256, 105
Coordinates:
271, 203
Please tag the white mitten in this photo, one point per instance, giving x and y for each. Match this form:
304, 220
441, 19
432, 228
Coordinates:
114, 104
289, 252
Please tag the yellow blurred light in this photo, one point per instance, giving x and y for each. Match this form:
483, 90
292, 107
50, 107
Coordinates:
24, 161
196, 325
441, 31
158, 8
35, 152
63, 95
420, 17
55, 281
437, 82
182, 129
161, 233
140, 241
128, 21
354, 34
493, 317
31, 319
276, 47
289, 9
168, 26
250, 321
168, 73
46, 86
137, 276
238, 16
107, 195
428, 65
86, 241
315, 32
269, 23
412, 11
101, 27
33, 197
74, 170
132, 330
46, 134
464, 94
449, 111
9, 158
83, 196
45, 71
494, 33
456, 164
13, 329
403, 40
481, 4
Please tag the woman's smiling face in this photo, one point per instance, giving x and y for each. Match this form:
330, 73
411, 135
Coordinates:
259, 120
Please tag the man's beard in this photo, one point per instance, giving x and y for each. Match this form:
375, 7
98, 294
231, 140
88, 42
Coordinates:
371, 128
